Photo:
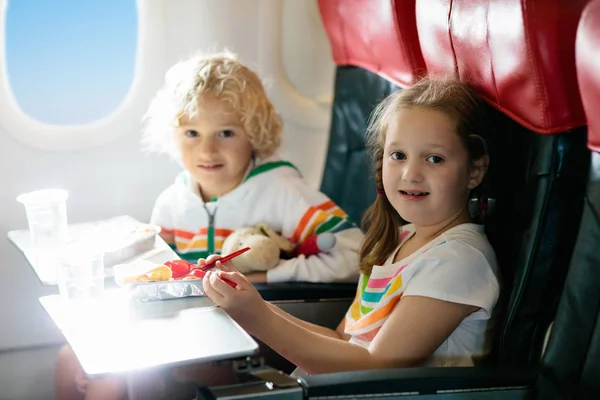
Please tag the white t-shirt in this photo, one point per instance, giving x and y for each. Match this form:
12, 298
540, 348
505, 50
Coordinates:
458, 266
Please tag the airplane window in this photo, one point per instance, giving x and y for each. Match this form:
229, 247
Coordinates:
70, 62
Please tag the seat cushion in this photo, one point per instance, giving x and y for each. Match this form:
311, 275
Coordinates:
571, 364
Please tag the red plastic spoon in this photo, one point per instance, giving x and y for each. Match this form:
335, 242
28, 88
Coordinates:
200, 272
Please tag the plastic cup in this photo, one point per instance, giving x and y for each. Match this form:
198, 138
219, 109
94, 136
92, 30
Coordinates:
81, 273
47, 219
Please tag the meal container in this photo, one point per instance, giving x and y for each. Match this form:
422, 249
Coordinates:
136, 242
158, 290
151, 291
120, 239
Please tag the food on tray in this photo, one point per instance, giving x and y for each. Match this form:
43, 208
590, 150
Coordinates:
146, 271
180, 268
174, 270
159, 273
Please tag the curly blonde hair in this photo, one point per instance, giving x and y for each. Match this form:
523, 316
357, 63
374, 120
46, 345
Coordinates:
224, 76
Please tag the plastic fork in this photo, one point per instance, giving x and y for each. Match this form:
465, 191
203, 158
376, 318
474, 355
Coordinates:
201, 271
224, 259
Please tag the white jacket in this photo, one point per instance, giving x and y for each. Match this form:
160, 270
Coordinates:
273, 192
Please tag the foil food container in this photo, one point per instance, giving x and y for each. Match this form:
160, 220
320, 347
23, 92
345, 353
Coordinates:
164, 290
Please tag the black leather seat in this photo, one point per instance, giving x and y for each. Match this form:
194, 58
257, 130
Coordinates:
539, 160
571, 365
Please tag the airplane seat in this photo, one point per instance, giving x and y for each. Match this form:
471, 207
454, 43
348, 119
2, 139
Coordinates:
525, 72
571, 365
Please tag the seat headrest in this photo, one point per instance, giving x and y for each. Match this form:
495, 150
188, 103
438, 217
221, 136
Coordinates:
518, 54
377, 35
587, 57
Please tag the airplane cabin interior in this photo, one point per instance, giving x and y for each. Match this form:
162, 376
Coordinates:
328, 63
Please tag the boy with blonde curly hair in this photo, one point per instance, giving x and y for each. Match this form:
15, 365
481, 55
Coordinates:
213, 117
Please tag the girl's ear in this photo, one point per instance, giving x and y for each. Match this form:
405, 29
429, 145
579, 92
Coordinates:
478, 171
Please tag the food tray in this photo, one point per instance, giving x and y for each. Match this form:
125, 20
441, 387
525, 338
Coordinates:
152, 291
156, 290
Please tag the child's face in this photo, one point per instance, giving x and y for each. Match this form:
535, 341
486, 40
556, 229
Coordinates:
427, 173
214, 147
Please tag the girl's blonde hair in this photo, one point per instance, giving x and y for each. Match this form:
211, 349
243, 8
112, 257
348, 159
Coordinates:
223, 76
447, 95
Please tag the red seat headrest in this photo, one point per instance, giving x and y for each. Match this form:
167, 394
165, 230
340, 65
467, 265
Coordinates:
588, 69
519, 54
377, 35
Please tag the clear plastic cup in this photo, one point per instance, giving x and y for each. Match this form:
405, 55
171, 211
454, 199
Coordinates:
47, 219
81, 272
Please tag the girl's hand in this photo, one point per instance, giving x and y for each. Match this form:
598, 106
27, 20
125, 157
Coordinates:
244, 303
254, 277
226, 266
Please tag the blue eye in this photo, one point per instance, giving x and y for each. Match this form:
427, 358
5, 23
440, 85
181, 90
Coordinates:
435, 159
396, 155
226, 133
191, 133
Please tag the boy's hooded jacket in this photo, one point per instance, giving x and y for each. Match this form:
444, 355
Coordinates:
272, 192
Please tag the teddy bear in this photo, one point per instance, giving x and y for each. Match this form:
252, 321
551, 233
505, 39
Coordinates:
267, 247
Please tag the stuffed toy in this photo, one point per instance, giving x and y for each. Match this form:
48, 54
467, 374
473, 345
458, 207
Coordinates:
267, 247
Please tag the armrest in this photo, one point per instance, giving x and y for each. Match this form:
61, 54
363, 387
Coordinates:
417, 380
287, 291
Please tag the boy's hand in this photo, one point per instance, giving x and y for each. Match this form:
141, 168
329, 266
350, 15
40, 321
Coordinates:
244, 303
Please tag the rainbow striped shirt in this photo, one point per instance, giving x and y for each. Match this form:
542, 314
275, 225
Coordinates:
458, 266
378, 293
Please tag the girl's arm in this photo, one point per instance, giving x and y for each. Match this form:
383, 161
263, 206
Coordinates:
254, 296
415, 328
338, 333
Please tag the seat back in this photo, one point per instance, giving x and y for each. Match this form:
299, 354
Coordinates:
571, 364
525, 72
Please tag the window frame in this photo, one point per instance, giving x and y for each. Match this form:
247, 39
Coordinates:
125, 118
290, 102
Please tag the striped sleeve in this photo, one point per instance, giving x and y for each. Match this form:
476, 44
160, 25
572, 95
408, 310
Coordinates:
325, 217
307, 212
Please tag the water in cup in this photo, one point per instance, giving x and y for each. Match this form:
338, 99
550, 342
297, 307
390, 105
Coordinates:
47, 219
81, 272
